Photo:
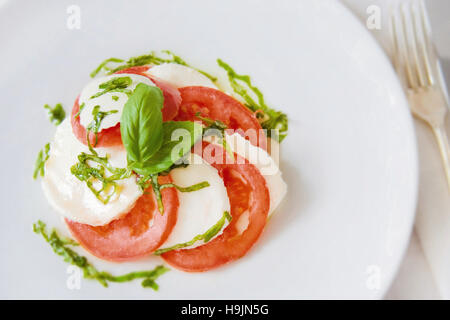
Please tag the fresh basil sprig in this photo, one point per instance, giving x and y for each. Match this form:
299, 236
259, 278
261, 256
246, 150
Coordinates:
141, 126
153, 146
174, 146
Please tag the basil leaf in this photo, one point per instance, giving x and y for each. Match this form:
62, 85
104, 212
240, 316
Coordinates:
141, 125
175, 145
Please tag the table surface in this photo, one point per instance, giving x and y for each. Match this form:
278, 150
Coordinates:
415, 279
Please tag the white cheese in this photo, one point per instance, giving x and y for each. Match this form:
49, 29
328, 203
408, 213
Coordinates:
106, 101
70, 196
263, 161
199, 210
180, 76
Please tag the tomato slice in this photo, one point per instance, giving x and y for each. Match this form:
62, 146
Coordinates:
111, 136
140, 232
172, 97
247, 191
216, 105
106, 138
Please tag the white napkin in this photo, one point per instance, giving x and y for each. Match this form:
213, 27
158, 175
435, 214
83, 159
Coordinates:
433, 211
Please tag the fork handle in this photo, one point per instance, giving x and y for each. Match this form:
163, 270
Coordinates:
442, 139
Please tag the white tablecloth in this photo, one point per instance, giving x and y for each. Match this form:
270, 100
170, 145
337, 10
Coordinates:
425, 271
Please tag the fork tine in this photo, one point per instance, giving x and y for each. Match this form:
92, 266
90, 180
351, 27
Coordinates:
407, 15
416, 43
426, 36
404, 47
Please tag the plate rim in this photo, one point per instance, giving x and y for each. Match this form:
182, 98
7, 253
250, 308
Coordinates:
382, 53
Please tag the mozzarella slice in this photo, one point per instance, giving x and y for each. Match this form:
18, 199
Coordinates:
180, 76
70, 196
263, 161
106, 101
199, 210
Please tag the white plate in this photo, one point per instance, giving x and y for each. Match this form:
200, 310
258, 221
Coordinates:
349, 160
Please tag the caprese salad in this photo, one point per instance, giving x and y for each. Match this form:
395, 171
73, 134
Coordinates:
160, 158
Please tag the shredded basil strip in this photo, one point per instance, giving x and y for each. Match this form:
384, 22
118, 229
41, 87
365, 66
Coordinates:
40, 161
86, 172
195, 187
152, 180
119, 84
208, 235
104, 66
268, 117
60, 247
98, 116
56, 114
77, 115
211, 127
156, 188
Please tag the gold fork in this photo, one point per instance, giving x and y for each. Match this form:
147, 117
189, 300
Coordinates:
417, 64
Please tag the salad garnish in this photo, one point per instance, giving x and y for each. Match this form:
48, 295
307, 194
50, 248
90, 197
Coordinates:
98, 117
269, 118
104, 66
77, 115
56, 114
84, 171
147, 59
40, 161
119, 84
216, 128
208, 235
60, 246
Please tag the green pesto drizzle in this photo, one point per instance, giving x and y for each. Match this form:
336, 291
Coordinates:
40, 161
208, 235
268, 117
56, 114
115, 98
60, 246
104, 66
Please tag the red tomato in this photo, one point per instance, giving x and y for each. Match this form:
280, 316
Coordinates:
131, 237
111, 136
216, 105
247, 191
172, 97
106, 138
